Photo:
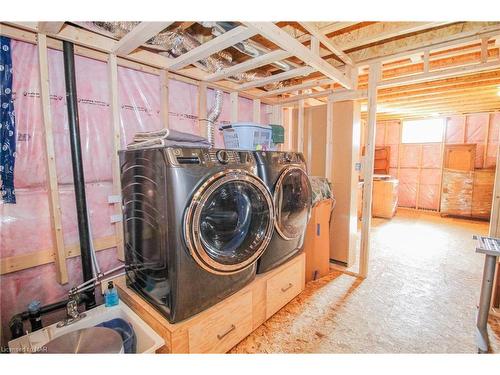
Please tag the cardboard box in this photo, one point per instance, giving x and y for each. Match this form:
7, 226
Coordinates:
385, 198
317, 241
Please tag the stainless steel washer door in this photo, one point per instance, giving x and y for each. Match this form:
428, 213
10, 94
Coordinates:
229, 222
292, 201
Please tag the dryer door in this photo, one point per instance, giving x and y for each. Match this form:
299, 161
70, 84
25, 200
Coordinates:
292, 201
229, 222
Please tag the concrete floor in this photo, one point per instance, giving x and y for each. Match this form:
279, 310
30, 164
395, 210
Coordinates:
420, 296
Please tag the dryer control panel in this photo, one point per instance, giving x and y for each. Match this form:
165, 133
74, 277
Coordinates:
279, 157
202, 156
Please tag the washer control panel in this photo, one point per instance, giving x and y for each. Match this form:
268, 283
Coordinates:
197, 156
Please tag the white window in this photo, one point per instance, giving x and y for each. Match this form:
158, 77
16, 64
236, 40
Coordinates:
423, 131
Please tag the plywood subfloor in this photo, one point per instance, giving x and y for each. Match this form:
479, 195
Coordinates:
420, 296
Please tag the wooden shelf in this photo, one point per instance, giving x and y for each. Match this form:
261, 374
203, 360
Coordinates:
222, 326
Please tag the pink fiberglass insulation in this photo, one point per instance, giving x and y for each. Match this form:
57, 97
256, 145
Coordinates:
476, 128
94, 118
431, 156
393, 157
245, 109
265, 117
30, 170
380, 134
25, 226
407, 195
428, 197
97, 206
408, 178
491, 153
455, 129
430, 180
183, 107
477, 125
410, 154
139, 101
392, 132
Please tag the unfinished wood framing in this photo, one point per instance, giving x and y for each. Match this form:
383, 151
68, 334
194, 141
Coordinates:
329, 139
415, 67
368, 170
245, 66
138, 36
256, 111
422, 77
54, 205
50, 27
39, 258
117, 145
164, 99
234, 106
289, 130
217, 44
318, 34
302, 71
300, 127
202, 110
305, 85
286, 42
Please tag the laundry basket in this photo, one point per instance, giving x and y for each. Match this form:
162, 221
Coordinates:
247, 136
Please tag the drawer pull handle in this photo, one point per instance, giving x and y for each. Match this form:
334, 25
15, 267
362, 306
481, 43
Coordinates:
286, 288
233, 327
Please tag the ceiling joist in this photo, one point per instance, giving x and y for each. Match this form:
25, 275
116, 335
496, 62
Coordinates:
451, 72
283, 40
301, 86
50, 27
297, 72
215, 45
138, 36
315, 32
245, 66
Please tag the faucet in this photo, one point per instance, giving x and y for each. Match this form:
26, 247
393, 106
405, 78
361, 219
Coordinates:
72, 313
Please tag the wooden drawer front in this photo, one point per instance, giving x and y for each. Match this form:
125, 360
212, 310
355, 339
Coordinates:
282, 287
224, 328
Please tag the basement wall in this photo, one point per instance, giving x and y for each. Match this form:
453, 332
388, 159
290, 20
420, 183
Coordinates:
25, 227
419, 166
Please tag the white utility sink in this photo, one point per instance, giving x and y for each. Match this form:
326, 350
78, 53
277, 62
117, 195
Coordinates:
148, 341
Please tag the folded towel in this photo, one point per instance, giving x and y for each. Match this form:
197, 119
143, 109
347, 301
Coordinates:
166, 138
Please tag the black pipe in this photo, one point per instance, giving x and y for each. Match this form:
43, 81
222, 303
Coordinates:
77, 162
16, 322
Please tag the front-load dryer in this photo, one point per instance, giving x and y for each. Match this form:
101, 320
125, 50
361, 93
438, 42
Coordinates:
285, 175
195, 223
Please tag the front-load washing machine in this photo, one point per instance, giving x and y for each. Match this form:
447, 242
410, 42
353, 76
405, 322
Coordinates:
195, 222
285, 175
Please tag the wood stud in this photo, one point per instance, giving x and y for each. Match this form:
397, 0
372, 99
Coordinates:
234, 107
368, 170
300, 127
54, 205
117, 145
164, 106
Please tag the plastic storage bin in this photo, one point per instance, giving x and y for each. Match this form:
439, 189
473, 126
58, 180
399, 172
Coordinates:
247, 136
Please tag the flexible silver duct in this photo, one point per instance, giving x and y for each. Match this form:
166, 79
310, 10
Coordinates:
176, 42
213, 115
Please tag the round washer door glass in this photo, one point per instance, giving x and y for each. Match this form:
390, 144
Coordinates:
292, 201
232, 224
